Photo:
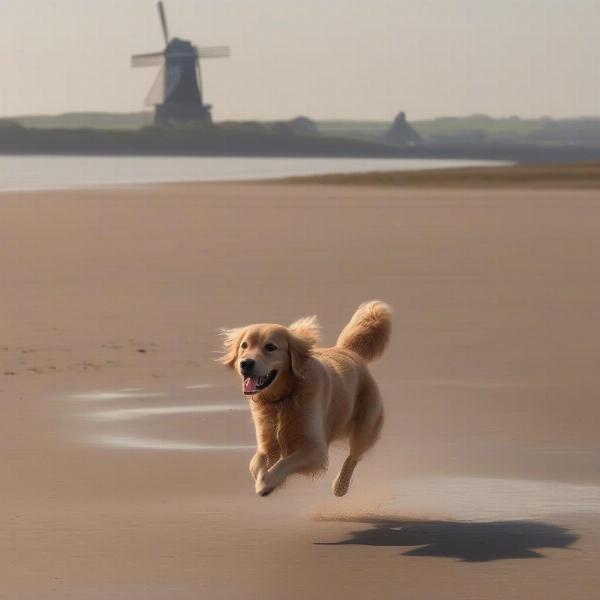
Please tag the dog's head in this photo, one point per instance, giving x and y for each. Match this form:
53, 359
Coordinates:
270, 358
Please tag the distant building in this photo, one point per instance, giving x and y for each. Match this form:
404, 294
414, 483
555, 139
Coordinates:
303, 126
402, 134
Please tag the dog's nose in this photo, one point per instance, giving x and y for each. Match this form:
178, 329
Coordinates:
247, 365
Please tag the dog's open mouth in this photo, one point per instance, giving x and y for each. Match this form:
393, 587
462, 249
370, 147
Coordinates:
257, 384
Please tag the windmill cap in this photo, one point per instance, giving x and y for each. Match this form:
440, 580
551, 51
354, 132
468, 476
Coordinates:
179, 45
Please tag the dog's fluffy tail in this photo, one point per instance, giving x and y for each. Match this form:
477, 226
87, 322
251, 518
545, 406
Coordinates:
368, 331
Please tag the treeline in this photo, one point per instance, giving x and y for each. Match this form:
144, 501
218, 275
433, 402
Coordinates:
216, 140
473, 129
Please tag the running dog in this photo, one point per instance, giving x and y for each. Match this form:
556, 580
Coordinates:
303, 397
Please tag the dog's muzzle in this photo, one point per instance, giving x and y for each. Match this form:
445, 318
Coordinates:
252, 385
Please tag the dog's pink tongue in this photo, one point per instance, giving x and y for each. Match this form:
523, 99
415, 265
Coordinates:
250, 385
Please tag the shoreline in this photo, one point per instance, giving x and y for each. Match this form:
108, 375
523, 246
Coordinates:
56, 173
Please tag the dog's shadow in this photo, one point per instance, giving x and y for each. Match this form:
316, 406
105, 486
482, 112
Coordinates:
466, 541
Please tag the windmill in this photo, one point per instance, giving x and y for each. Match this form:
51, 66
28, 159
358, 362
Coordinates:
177, 91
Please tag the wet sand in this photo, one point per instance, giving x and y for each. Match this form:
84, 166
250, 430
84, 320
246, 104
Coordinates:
125, 446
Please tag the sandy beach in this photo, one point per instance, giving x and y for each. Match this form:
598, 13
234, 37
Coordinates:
125, 445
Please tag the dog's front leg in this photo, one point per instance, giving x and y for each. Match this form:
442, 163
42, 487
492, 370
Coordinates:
310, 460
258, 464
263, 459
267, 450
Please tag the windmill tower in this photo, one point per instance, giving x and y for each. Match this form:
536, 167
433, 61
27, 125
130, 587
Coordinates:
177, 91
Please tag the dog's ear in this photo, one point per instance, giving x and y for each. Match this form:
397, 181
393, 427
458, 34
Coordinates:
231, 345
303, 334
299, 350
308, 329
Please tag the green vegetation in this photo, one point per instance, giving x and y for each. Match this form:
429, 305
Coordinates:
577, 175
507, 126
366, 130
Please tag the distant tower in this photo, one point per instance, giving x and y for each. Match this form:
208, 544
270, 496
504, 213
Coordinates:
401, 133
177, 91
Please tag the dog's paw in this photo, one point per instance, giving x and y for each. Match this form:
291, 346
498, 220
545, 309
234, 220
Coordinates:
257, 464
339, 489
263, 486
341, 486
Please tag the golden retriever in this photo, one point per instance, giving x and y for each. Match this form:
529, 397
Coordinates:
303, 397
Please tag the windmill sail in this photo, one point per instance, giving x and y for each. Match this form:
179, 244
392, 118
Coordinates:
166, 81
163, 21
153, 59
213, 52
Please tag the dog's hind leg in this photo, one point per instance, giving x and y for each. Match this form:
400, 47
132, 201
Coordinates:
363, 435
342, 481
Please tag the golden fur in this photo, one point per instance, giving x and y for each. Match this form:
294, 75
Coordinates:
318, 395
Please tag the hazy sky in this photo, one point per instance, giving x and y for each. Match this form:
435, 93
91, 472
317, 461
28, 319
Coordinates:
363, 59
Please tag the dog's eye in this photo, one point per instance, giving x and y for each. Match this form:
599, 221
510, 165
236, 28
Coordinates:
270, 347
244, 345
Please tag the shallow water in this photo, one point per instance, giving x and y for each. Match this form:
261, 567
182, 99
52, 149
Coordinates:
141, 443
105, 427
61, 172
136, 413
118, 395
